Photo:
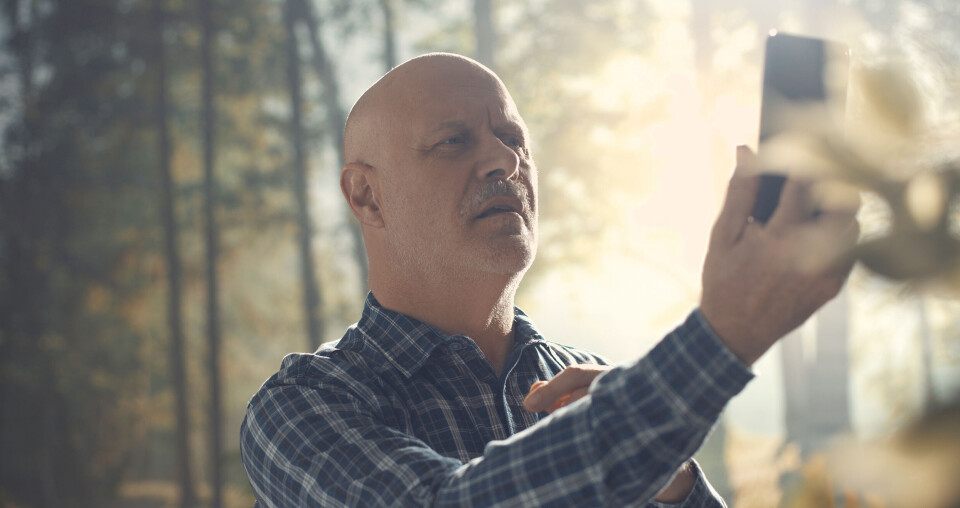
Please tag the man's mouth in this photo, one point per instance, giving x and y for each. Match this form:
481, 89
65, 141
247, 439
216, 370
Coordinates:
502, 205
496, 210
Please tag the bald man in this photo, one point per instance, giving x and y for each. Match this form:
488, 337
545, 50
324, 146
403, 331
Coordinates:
421, 403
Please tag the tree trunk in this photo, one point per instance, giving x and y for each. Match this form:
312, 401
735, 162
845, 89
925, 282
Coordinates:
485, 31
794, 388
700, 28
389, 35
24, 213
171, 252
816, 380
336, 119
829, 376
311, 292
926, 356
712, 459
211, 252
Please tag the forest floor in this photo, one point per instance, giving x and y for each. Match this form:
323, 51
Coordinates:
160, 494
755, 464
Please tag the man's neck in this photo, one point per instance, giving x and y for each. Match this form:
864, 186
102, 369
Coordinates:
481, 308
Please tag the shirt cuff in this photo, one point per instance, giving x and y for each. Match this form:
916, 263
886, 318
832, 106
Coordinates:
716, 338
702, 495
694, 372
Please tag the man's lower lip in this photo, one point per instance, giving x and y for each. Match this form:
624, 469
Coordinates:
499, 214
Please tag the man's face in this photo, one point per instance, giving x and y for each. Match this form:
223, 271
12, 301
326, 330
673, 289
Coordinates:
458, 185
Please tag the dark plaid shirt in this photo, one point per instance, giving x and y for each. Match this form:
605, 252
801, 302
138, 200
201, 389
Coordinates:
398, 414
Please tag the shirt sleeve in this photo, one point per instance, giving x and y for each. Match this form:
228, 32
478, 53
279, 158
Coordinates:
328, 446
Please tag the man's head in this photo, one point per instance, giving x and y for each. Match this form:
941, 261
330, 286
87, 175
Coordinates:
439, 173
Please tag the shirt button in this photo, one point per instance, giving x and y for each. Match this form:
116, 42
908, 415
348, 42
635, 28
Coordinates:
455, 345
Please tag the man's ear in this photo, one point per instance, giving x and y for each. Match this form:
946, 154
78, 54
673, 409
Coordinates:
356, 182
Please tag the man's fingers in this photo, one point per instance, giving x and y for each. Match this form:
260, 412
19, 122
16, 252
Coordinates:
826, 244
568, 399
831, 196
562, 401
741, 196
536, 385
795, 204
545, 394
803, 200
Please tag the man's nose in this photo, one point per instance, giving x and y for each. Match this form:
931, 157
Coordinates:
499, 161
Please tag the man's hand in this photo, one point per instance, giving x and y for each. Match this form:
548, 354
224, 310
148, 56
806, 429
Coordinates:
760, 281
571, 385
567, 387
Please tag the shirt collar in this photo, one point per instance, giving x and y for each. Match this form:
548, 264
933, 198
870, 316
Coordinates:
407, 343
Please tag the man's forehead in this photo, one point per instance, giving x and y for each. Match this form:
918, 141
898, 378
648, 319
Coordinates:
453, 106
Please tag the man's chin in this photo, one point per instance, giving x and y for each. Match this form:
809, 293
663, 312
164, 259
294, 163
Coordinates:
511, 255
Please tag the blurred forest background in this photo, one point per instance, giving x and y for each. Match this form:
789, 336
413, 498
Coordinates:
171, 223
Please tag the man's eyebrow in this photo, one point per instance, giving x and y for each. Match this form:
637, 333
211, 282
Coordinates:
514, 123
449, 125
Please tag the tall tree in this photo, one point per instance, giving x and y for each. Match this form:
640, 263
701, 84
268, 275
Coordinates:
389, 34
311, 291
829, 376
485, 32
30, 198
926, 355
75, 238
172, 255
816, 378
211, 243
335, 115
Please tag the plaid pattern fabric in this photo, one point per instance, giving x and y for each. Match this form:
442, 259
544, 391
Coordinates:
398, 414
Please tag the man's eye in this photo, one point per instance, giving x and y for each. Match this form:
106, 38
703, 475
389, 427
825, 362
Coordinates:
513, 141
454, 140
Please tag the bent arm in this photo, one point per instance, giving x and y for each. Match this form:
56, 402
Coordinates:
314, 446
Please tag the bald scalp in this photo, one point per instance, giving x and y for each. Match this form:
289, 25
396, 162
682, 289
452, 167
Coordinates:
381, 109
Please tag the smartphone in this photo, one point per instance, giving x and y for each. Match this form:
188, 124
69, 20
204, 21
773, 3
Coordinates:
800, 74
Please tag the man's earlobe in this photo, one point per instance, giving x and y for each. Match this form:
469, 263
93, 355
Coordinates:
355, 182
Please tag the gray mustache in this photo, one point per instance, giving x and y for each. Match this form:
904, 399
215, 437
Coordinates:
498, 188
